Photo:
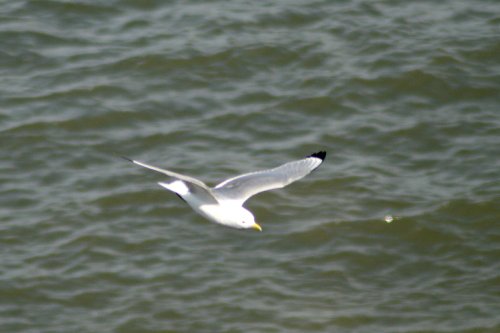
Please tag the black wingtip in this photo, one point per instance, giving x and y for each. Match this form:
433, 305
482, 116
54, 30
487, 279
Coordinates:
127, 159
320, 154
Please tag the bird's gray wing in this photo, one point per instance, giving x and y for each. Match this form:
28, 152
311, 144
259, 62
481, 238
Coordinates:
242, 187
194, 185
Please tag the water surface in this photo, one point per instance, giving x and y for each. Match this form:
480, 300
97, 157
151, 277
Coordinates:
403, 96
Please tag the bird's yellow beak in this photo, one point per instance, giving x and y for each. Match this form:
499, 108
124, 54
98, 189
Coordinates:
256, 226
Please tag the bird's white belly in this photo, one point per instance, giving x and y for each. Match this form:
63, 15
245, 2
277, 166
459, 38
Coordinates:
220, 214
213, 212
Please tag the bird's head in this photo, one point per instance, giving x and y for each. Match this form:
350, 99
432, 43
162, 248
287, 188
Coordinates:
246, 220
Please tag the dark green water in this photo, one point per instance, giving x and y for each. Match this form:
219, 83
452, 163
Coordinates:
404, 96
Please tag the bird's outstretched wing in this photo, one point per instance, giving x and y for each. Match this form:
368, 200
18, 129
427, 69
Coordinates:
242, 187
194, 185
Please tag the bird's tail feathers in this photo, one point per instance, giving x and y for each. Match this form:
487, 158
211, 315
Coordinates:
177, 186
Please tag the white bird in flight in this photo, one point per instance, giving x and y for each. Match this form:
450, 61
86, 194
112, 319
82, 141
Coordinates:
223, 204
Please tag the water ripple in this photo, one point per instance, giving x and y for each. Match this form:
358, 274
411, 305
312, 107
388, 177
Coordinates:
403, 98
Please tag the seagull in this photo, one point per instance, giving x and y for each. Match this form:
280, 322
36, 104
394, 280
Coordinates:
223, 204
